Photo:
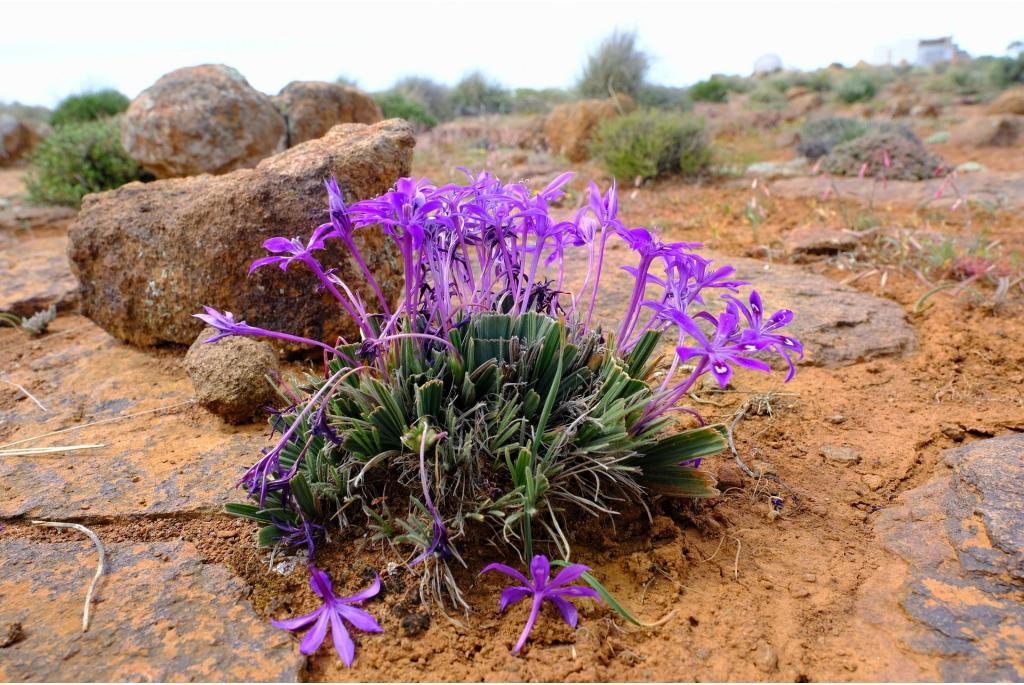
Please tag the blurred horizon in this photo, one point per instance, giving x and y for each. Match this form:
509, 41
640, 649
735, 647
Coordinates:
65, 48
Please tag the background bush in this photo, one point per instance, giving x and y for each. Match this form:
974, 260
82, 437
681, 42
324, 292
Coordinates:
435, 97
394, 104
856, 88
475, 95
617, 66
769, 94
715, 89
89, 107
664, 97
651, 143
1008, 71
78, 159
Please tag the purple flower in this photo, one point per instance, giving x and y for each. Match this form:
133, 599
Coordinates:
722, 350
334, 612
226, 326
762, 333
543, 589
291, 250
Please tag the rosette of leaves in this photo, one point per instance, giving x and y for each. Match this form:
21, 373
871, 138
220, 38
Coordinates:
540, 420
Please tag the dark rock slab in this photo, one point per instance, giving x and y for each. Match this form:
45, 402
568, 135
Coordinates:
962, 536
160, 614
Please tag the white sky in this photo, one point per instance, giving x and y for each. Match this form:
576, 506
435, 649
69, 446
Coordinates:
48, 50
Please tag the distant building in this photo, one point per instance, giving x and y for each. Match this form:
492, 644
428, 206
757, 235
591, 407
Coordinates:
932, 51
767, 64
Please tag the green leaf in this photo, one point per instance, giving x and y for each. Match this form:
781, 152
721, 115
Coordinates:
608, 598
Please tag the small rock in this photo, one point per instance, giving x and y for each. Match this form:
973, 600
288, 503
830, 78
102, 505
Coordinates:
971, 168
11, 634
873, 481
415, 623
762, 468
799, 592
954, 433
997, 130
730, 476
815, 240
765, 657
810, 578
836, 419
230, 375
839, 454
224, 534
1009, 102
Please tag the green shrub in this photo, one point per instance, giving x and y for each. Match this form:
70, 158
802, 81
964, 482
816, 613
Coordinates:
856, 88
78, 159
715, 89
89, 107
819, 81
664, 97
651, 143
819, 136
394, 104
618, 66
435, 97
475, 95
768, 94
1008, 71
537, 101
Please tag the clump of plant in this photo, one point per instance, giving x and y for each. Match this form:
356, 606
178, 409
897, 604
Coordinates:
476, 95
77, 109
651, 143
819, 136
617, 66
856, 87
769, 93
487, 404
1008, 71
78, 159
714, 89
884, 154
394, 104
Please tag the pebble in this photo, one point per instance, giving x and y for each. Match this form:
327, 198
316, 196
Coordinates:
730, 476
799, 592
873, 481
810, 578
837, 419
227, 533
840, 454
765, 657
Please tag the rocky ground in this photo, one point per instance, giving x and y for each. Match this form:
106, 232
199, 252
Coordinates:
897, 553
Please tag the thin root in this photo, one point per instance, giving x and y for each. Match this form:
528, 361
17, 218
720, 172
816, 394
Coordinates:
100, 566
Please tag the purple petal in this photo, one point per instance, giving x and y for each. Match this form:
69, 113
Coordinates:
343, 644
264, 261
513, 594
278, 245
578, 591
359, 618
566, 608
568, 574
722, 372
298, 621
507, 570
755, 364
540, 569
314, 638
363, 595
321, 583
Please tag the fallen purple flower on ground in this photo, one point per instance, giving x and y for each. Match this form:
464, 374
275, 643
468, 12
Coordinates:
333, 614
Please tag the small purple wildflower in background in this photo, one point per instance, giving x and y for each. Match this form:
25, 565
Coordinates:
334, 612
543, 589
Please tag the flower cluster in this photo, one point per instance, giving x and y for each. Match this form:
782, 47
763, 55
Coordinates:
494, 337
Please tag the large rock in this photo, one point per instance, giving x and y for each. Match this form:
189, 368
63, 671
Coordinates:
160, 614
312, 108
198, 120
149, 256
962, 538
1010, 102
997, 130
569, 127
16, 139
